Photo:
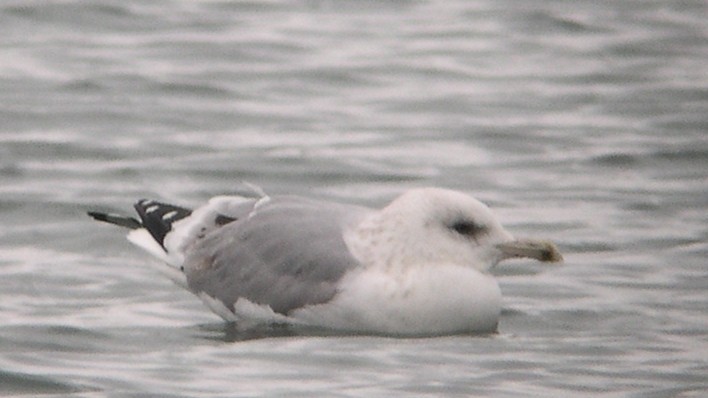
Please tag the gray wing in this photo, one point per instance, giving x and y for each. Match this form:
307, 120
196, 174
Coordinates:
288, 253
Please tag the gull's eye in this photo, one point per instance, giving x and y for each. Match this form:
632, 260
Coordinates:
468, 228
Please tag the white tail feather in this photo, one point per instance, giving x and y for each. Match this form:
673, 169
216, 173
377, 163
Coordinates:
142, 238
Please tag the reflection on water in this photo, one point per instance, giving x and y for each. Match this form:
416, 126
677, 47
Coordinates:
231, 332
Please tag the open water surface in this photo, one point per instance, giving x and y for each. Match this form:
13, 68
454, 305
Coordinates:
584, 122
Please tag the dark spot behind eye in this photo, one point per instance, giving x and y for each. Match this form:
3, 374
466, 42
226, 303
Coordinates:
221, 220
468, 228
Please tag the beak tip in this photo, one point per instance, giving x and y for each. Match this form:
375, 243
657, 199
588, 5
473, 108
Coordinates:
548, 252
541, 250
551, 254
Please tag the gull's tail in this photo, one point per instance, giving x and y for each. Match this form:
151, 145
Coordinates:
148, 233
167, 231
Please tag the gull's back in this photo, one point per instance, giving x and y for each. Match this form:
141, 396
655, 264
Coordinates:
285, 252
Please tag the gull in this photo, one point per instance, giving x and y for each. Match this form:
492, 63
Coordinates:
419, 266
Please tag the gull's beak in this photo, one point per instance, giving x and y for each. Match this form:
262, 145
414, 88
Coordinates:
541, 250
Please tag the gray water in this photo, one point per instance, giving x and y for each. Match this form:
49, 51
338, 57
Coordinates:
579, 121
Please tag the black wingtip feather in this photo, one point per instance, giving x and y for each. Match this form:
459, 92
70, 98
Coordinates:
121, 221
158, 217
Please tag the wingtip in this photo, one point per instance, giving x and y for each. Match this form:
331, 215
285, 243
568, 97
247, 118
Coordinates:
97, 216
158, 217
127, 222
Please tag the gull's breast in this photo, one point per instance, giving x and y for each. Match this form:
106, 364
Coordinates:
420, 300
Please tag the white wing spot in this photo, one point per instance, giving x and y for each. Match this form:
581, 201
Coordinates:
169, 215
151, 209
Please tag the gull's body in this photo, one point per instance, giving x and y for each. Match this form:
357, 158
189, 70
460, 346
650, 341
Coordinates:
419, 266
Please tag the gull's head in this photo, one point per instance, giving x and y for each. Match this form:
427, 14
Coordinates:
438, 226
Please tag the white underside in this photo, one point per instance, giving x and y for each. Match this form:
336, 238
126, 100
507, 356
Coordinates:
432, 299
142, 238
429, 300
